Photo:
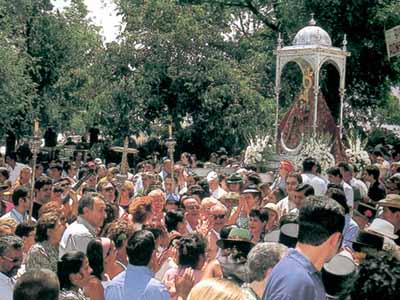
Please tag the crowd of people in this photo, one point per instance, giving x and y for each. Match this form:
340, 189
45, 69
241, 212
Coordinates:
166, 232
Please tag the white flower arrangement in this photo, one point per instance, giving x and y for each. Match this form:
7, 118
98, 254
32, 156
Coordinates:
356, 153
257, 151
320, 149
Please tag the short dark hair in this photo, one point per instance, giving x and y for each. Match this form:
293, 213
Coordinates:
19, 192
295, 175
308, 164
140, 248
12, 155
46, 221
40, 284
5, 173
334, 171
345, 166
305, 188
10, 241
57, 166
172, 219
41, 182
339, 196
262, 214
24, 229
70, 263
319, 218
191, 247
373, 171
88, 200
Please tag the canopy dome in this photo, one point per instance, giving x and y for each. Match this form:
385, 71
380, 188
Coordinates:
312, 35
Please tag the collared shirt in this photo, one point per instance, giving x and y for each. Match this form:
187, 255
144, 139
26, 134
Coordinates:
294, 278
319, 185
349, 193
77, 236
350, 231
6, 287
42, 255
17, 216
137, 283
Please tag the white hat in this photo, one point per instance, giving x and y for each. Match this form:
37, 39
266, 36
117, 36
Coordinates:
212, 176
383, 228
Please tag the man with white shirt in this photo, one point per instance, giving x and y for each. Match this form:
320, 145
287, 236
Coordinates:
335, 177
310, 177
20, 198
360, 189
14, 167
213, 183
10, 262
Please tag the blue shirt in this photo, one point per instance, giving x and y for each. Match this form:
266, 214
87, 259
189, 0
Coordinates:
350, 231
136, 283
294, 278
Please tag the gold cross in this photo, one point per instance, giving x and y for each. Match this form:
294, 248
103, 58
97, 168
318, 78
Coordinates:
125, 150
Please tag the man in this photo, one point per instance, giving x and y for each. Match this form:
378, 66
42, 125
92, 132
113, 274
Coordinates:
376, 190
393, 184
43, 187
55, 172
107, 189
10, 262
296, 276
285, 167
301, 192
213, 183
310, 176
157, 204
91, 214
234, 183
24, 178
335, 177
138, 281
192, 213
249, 198
360, 189
39, 284
14, 167
21, 201
391, 212
166, 169
218, 214
287, 204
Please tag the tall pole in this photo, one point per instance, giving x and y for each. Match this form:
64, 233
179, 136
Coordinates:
35, 148
171, 142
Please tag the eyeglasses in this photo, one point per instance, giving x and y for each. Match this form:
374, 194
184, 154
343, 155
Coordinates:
12, 260
219, 216
192, 207
109, 189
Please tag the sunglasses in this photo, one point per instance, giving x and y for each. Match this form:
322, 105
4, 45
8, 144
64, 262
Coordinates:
219, 216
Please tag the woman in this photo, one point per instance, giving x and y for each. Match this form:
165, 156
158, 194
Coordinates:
216, 289
127, 192
258, 219
141, 211
191, 254
44, 254
73, 272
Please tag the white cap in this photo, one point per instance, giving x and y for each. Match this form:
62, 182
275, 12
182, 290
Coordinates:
212, 176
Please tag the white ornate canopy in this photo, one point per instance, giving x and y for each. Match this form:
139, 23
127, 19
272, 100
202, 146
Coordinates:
311, 49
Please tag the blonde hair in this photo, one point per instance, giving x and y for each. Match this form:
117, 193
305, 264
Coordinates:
7, 226
216, 289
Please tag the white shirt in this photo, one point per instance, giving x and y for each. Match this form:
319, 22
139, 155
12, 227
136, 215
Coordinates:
285, 206
360, 185
316, 182
77, 236
349, 193
17, 216
218, 193
6, 287
14, 173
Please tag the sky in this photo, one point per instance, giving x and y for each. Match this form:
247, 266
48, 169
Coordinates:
102, 13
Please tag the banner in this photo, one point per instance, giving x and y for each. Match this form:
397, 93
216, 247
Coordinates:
392, 37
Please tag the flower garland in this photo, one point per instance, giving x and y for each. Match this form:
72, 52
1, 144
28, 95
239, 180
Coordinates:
257, 151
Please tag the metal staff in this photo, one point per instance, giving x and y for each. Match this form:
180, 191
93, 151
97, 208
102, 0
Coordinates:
36, 142
171, 142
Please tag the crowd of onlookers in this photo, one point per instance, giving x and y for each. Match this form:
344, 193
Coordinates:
167, 232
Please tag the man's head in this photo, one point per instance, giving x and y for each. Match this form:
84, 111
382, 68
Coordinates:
218, 213
292, 181
92, 208
11, 159
43, 189
26, 231
334, 175
10, 254
141, 246
391, 209
346, 170
393, 185
55, 171
167, 166
301, 192
25, 175
41, 284
212, 180
371, 173
321, 222
157, 200
191, 207
20, 198
107, 189
310, 165
262, 258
